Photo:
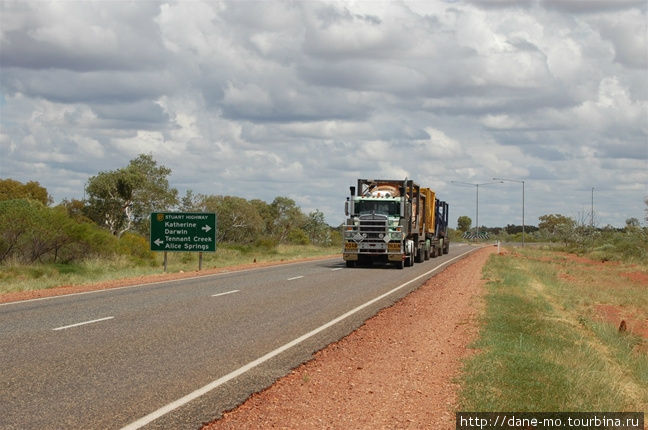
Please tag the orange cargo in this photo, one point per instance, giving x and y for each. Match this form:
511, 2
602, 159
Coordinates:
430, 201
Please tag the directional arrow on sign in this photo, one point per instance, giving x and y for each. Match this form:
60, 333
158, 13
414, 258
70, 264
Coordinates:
206, 228
158, 242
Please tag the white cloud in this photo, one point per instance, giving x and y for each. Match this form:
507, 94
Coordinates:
439, 145
261, 99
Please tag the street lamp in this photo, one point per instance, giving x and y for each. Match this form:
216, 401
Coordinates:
476, 198
592, 214
520, 182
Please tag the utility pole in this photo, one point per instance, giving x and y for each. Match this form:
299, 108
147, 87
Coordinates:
592, 214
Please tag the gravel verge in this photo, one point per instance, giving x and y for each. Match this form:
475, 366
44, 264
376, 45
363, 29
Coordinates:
396, 371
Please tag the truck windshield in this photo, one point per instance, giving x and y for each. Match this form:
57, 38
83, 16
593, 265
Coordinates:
385, 207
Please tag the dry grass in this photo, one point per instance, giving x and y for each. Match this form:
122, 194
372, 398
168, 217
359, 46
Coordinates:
545, 345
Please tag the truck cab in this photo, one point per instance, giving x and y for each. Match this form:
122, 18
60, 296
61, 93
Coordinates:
377, 226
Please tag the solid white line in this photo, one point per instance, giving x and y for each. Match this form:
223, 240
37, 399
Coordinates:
82, 323
238, 372
296, 277
106, 290
228, 292
337, 268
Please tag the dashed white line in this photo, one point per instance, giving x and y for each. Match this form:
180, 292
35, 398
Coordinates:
108, 290
82, 323
337, 268
293, 278
225, 293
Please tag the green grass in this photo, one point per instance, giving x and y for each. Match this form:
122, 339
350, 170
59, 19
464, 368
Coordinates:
22, 277
543, 347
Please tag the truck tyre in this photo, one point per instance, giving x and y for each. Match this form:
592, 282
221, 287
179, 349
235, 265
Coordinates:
350, 263
419, 255
399, 264
446, 248
426, 254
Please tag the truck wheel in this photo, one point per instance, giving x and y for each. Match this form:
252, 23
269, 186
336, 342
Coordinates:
426, 254
419, 255
399, 264
446, 248
350, 263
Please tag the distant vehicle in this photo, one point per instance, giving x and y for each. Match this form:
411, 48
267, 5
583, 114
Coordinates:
396, 221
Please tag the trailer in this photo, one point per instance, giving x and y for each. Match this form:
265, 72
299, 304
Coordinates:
436, 225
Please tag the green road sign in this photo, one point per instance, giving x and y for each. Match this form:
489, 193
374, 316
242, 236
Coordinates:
183, 232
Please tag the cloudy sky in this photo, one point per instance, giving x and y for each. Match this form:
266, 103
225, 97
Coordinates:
300, 98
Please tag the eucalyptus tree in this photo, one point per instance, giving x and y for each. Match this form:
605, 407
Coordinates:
122, 199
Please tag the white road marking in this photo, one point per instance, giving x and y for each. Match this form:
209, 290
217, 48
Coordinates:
238, 372
228, 292
337, 268
82, 323
292, 279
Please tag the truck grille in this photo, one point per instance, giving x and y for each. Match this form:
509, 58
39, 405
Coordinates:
373, 226
370, 234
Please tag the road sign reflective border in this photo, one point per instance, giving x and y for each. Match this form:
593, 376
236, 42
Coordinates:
183, 232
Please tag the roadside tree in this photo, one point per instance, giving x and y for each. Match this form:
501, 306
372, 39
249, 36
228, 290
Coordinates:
286, 216
122, 199
551, 223
463, 223
319, 233
238, 219
11, 189
632, 224
76, 209
191, 202
267, 214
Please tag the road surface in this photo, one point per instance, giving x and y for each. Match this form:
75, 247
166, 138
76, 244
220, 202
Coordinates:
176, 354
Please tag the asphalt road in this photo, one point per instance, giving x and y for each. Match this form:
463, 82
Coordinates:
177, 354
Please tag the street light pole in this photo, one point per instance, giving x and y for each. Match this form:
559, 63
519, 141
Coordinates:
476, 199
592, 214
522, 182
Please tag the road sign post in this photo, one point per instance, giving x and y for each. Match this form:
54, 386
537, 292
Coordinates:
183, 232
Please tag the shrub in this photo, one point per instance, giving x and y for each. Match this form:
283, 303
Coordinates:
136, 246
297, 236
30, 232
266, 242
